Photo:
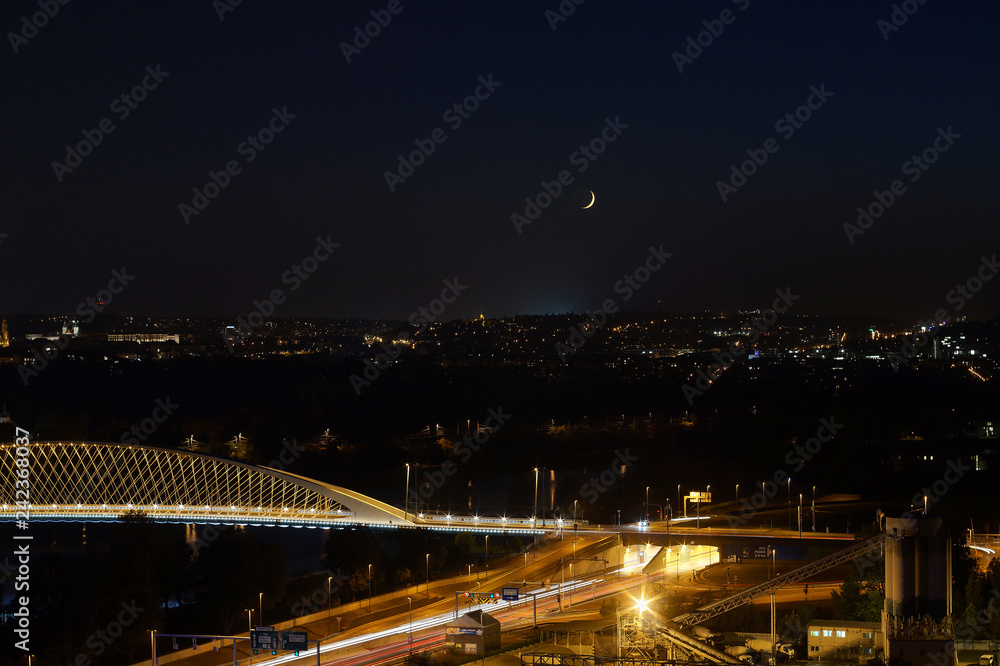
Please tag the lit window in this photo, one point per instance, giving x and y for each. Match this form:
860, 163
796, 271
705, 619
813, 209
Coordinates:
841, 633
814, 632
827, 633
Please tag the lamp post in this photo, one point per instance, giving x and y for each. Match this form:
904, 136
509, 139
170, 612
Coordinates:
534, 507
647, 505
428, 584
249, 619
789, 485
369, 588
406, 493
329, 626
575, 502
487, 577
800, 515
679, 500
814, 509
409, 600
260, 614
737, 492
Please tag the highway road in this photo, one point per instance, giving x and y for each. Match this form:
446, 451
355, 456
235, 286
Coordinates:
389, 639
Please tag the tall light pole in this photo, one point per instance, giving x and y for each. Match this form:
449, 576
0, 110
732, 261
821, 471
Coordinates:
679, 500
249, 619
428, 558
260, 615
534, 507
737, 492
406, 494
789, 504
487, 557
329, 626
409, 600
369, 588
800, 515
574, 511
647, 505
814, 509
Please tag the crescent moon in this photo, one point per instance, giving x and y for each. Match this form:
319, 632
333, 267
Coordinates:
593, 198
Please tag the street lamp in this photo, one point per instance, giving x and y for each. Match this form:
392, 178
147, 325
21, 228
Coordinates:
814, 508
369, 588
737, 492
789, 504
647, 505
679, 500
409, 600
487, 577
428, 558
575, 502
249, 619
406, 494
534, 508
260, 615
329, 626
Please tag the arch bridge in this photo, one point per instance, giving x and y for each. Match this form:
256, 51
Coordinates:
100, 481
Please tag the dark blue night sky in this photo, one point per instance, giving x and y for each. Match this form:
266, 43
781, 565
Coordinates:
886, 93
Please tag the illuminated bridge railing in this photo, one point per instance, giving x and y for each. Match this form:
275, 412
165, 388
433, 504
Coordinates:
100, 479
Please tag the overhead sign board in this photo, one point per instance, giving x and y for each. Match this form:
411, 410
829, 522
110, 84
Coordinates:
294, 640
509, 593
265, 639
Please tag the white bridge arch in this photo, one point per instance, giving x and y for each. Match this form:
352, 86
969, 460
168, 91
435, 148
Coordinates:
92, 481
